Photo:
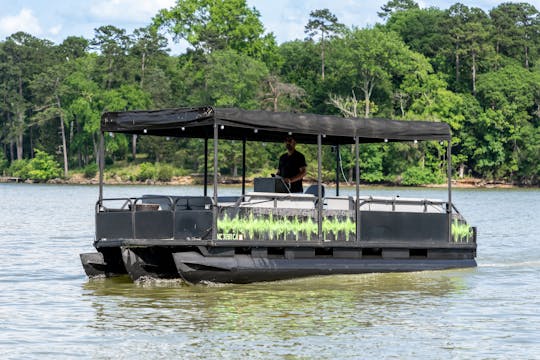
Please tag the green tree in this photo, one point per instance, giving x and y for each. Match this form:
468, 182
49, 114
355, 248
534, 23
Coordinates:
49, 88
516, 28
395, 6
148, 47
113, 44
326, 24
300, 66
529, 166
73, 47
43, 167
83, 108
509, 95
371, 58
150, 50
233, 79
210, 25
440, 104
23, 57
3, 162
469, 30
422, 30
456, 21
124, 98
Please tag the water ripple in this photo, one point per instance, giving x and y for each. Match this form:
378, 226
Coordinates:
49, 309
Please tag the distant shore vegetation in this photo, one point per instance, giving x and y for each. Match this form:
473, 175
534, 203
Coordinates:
477, 71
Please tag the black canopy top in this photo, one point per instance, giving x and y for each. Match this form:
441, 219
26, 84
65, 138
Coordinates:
268, 126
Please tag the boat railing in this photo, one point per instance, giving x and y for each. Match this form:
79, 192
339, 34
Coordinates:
154, 217
275, 216
114, 205
154, 203
293, 217
399, 204
272, 200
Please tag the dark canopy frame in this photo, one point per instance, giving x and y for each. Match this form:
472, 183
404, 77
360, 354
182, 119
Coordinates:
269, 126
264, 126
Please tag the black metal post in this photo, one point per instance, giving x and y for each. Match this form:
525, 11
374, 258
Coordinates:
101, 164
338, 164
243, 166
449, 175
215, 208
319, 188
205, 166
357, 207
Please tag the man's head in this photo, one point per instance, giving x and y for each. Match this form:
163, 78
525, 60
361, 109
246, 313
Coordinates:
290, 143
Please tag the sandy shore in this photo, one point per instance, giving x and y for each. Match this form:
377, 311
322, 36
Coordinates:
190, 180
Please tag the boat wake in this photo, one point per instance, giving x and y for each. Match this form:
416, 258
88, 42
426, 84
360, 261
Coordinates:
213, 284
97, 277
511, 265
148, 281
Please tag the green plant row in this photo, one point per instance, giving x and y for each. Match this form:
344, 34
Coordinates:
284, 227
461, 231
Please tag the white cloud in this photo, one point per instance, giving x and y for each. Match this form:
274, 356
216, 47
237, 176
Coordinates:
23, 21
128, 10
55, 30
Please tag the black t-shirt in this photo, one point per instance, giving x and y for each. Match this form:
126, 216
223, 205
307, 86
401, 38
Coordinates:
289, 166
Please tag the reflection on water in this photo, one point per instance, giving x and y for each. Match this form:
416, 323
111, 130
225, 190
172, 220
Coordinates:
49, 309
310, 309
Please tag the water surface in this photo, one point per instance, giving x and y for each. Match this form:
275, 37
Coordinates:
50, 309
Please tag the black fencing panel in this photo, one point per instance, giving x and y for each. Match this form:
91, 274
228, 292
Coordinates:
402, 226
114, 225
153, 224
193, 224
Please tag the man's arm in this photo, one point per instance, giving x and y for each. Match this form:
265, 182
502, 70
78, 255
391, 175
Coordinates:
302, 172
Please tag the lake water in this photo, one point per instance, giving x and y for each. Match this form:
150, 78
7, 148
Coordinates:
50, 309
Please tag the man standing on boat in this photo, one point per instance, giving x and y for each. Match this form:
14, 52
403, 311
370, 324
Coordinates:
292, 166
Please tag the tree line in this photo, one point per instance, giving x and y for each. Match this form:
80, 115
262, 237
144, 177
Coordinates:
477, 71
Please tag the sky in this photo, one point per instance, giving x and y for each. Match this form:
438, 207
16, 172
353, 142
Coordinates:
57, 19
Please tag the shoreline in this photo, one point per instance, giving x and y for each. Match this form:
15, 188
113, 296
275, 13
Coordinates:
469, 183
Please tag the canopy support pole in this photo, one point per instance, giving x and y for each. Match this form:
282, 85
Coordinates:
337, 169
319, 188
215, 207
101, 164
357, 202
449, 175
206, 166
244, 166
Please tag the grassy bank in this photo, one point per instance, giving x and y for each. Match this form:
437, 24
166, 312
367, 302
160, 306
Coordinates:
196, 179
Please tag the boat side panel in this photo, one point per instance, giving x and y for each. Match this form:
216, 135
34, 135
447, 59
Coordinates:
403, 227
154, 224
193, 224
181, 224
114, 225
376, 226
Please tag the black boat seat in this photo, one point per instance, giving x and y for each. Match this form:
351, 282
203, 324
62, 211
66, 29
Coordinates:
179, 202
199, 203
314, 190
193, 203
163, 201
228, 200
